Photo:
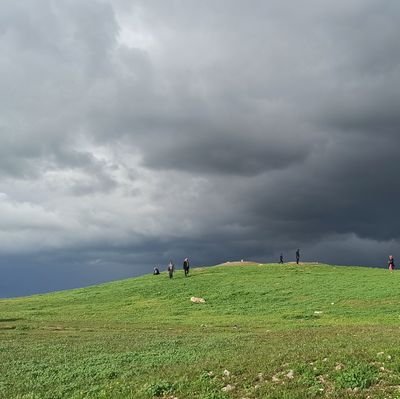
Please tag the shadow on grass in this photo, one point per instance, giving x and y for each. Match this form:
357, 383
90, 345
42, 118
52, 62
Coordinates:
8, 320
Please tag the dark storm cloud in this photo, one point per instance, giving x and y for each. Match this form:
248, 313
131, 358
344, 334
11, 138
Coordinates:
233, 156
52, 51
133, 132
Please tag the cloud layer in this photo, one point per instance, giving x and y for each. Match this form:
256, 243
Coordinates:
136, 132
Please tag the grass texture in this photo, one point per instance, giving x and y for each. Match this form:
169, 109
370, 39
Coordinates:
265, 331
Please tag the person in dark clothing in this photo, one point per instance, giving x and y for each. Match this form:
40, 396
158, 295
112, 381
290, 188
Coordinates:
171, 269
186, 266
391, 263
156, 271
297, 256
281, 259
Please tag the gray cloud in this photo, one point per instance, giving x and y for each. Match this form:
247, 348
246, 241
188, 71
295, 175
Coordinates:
136, 132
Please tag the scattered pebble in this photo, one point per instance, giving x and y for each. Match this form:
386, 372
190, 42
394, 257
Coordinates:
226, 373
195, 299
228, 388
275, 378
290, 374
380, 353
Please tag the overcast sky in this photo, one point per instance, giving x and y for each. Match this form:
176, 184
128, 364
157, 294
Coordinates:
135, 132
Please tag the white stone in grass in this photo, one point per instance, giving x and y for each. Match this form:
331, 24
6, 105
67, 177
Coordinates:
380, 353
318, 312
226, 373
290, 374
197, 300
228, 388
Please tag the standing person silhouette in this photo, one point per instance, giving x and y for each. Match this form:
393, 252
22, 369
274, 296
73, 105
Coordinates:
391, 263
171, 269
281, 259
186, 266
297, 255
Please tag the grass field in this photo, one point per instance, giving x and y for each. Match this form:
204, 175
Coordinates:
265, 331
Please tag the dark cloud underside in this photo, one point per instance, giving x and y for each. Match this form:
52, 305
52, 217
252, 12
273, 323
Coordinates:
136, 132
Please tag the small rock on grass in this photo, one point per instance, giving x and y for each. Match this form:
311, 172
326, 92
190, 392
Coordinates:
290, 374
195, 299
228, 388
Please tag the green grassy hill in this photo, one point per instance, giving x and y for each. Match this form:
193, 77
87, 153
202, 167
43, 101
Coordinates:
265, 331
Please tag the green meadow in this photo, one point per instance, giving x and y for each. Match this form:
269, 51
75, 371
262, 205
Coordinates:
265, 331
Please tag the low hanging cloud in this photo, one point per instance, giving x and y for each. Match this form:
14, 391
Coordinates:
137, 132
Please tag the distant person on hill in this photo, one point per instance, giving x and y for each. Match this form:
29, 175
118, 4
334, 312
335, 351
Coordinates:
186, 266
297, 255
281, 259
156, 271
171, 269
391, 263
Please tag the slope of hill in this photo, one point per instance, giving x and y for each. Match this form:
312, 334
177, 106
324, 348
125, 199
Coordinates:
265, 331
